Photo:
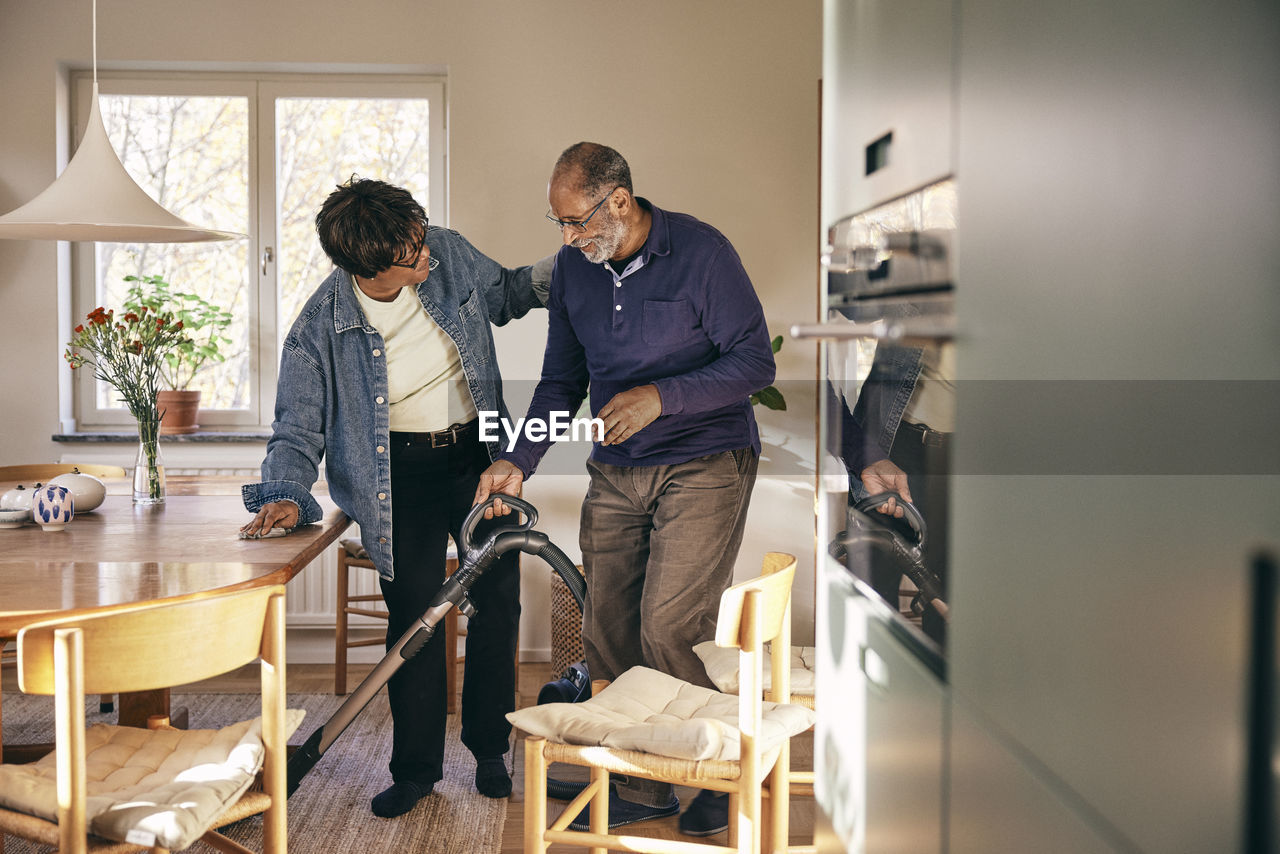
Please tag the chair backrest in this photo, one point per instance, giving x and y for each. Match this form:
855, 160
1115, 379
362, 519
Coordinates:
38, 471
773, 588
753, 613
157, 645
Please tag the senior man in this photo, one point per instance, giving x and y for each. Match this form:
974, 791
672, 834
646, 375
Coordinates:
652, 312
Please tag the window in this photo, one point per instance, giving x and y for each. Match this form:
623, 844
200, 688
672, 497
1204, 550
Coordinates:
257, 155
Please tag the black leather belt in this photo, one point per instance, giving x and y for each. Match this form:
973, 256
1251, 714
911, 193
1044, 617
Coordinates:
451, 435
923, 435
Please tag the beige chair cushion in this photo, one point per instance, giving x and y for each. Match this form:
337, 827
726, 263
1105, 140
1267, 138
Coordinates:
650, 711
721, 664
162, 787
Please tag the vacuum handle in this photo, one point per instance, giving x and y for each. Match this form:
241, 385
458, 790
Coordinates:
909, 512
477, 513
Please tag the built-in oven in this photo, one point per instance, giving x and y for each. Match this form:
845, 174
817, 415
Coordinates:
886, 432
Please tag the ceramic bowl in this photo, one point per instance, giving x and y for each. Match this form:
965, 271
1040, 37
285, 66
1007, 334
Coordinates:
52, 507
18, 498
14, 518
89, 491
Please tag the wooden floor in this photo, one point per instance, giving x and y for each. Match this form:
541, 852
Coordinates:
315, 678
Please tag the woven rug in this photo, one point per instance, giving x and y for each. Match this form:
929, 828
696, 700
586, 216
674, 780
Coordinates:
330, 811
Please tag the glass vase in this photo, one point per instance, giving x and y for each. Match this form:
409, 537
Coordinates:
148, 472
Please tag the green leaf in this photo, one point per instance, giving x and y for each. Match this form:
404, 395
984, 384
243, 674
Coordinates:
770, 397
776, 345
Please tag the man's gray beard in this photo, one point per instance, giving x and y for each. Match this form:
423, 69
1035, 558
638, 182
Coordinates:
607, 241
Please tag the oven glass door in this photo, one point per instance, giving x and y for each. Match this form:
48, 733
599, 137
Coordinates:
889, 418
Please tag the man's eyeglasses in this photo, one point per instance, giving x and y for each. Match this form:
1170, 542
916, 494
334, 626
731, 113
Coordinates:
579, 226
411, 258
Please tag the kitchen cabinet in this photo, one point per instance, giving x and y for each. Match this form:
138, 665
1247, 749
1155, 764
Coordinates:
879, 739
999, 804
887, 100
1115, 470
906, 708
1113, 486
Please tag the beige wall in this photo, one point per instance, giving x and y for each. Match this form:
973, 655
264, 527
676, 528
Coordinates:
714, 103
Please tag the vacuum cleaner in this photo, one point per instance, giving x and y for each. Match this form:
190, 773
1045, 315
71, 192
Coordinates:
865, 527
473, 561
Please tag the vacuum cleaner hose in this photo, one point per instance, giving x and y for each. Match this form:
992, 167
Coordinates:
474, 560
566, 569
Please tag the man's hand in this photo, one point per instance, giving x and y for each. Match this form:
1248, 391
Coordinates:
884, 476
629, 412
502, 477
275, 514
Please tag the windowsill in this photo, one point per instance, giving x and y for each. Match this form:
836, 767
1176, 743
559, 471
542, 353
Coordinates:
198, 437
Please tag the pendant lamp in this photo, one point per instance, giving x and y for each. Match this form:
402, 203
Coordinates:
96, 199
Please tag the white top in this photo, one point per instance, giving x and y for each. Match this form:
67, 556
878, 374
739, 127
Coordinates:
427, 389
933, 403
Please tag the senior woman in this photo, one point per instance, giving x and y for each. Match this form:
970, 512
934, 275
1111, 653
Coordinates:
385, 372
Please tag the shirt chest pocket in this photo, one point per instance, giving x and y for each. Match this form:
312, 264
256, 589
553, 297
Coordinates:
471, 317
667, 322
469, 311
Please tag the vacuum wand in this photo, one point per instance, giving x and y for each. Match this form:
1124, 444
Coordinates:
473, 562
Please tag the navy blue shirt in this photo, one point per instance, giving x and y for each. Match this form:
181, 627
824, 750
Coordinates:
683, 316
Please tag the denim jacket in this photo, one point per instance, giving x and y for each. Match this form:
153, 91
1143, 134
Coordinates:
331, 399
867, 433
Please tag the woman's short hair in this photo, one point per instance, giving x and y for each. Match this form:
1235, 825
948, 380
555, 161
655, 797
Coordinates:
367, 225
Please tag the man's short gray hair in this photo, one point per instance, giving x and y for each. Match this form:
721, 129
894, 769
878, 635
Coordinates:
600, 167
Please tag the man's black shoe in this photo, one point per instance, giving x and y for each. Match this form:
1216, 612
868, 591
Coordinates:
707, 815
625, 812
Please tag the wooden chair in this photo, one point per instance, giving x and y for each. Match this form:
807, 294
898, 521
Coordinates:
44, 471
143, 648
723, 673
751, 614
347, 551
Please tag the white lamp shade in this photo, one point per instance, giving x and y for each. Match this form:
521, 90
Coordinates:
96, 199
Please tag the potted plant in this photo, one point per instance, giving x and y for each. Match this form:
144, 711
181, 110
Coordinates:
205, 325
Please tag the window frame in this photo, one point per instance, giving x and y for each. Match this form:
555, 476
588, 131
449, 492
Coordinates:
262, 90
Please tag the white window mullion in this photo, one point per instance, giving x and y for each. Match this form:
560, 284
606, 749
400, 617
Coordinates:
265, 323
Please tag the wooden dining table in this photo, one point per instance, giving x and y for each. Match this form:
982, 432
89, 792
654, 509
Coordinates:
122, 554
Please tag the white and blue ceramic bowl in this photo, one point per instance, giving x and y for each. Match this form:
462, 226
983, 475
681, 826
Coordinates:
14, 518
52, 507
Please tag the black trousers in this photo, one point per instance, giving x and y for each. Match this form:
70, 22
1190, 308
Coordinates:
928, 476
431, 493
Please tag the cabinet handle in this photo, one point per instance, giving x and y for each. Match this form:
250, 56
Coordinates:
874, 668
918, 330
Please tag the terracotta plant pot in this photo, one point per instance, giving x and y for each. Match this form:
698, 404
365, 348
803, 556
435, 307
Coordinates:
179, 410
